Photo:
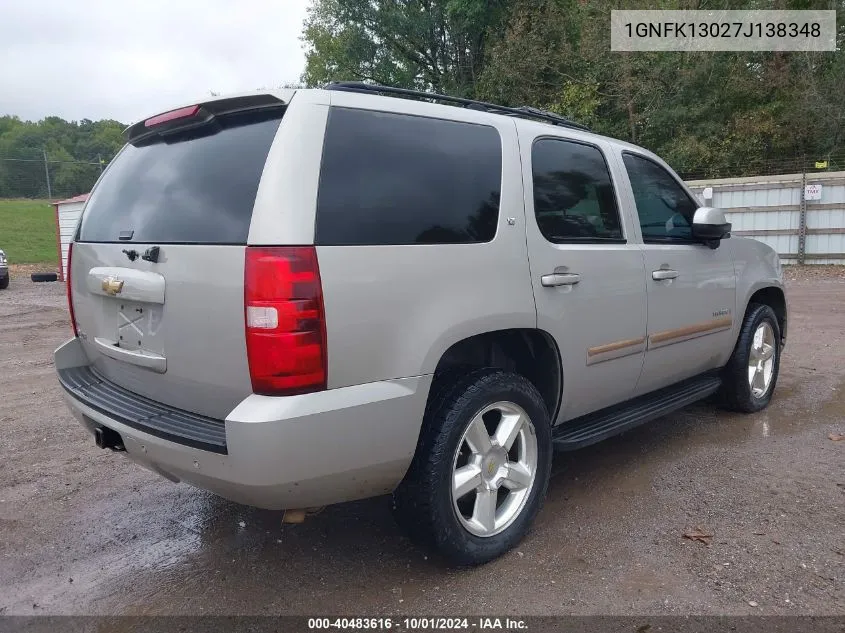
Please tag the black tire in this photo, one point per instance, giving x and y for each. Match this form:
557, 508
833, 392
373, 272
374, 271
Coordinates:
38, 277
736, 393
422, 504
4, 283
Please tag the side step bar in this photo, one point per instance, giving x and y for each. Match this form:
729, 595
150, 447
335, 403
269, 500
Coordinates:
597, 426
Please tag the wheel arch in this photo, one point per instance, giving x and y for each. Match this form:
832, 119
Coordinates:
774, 297
530, 352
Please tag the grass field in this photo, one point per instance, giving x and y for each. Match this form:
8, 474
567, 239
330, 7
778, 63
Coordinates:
28, 231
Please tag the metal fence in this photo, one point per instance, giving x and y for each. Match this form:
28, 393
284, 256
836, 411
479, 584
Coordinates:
38, 175
768, 167
800, 215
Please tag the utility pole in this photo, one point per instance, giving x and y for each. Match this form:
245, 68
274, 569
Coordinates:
47, 173
100, 162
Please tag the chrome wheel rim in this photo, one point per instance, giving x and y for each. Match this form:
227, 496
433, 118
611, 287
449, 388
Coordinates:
761, 360
494, 469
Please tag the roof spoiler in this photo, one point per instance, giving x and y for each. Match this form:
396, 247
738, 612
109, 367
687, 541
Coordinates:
198, 115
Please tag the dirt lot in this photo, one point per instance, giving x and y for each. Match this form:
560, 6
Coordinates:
86, 531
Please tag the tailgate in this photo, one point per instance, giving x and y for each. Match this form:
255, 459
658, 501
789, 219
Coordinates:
158, 265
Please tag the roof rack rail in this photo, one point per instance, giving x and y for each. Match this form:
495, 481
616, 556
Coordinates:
523, 112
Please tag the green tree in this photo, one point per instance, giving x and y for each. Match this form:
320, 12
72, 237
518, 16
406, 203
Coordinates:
73, 149
437, 45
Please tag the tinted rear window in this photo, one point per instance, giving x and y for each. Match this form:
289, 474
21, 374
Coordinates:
198, 187
399, 179
573, 192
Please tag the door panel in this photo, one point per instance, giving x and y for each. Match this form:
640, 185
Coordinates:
588, 280
598, 324
691, 288
690, 317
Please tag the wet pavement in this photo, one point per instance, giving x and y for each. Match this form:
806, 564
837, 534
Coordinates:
86, 531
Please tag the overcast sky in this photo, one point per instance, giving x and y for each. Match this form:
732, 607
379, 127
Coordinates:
127, 59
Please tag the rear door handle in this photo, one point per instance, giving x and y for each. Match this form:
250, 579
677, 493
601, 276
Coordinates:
560, 279
148, 360
664, 273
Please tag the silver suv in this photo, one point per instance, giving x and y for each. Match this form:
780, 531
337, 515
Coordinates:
305, 297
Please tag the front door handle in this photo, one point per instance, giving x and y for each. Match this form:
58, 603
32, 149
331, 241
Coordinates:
664, 273
560, 279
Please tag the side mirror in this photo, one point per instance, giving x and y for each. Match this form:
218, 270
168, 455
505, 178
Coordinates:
710, 226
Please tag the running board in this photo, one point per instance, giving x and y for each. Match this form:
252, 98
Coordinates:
595, 427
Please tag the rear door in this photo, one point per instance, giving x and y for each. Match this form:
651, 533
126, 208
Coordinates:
158, 263
586, 271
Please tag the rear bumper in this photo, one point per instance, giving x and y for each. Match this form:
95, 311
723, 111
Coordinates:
4, 272
292, 452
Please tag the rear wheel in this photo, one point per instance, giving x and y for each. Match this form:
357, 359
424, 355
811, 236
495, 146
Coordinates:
481, 468
751, 374
4, 283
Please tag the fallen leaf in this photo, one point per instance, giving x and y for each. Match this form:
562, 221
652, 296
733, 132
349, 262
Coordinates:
698, 535
837, 437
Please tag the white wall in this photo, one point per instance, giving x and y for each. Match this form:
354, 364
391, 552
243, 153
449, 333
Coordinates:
768, 208
69, 213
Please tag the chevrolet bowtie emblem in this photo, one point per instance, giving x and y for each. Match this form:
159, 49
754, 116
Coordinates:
112, 285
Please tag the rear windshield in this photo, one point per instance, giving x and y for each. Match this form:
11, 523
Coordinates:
195, 188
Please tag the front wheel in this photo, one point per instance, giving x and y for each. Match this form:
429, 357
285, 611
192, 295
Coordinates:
481, 468
751, 374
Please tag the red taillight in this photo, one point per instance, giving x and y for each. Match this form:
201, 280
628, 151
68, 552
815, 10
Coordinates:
285, 320
69, 292
181, 113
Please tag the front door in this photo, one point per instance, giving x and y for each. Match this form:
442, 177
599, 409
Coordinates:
588, 279
691, 287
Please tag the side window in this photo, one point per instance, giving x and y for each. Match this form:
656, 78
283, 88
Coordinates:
664, 208
573, 193
399, 179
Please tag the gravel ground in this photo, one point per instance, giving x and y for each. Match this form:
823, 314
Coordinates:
86, 531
